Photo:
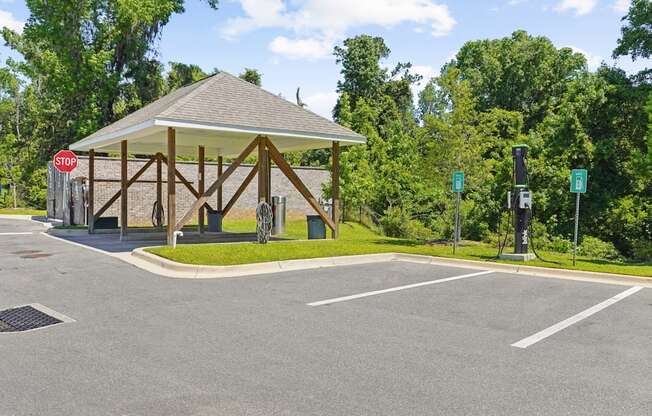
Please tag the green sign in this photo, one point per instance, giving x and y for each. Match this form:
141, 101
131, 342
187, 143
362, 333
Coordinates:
458, 181
578, 181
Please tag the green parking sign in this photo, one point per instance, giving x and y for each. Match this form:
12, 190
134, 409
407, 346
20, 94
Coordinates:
578, 181
458, 182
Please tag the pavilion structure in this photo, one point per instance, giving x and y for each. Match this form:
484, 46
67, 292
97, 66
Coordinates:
226, 117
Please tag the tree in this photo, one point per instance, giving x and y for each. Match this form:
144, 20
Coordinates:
252, 75
183, 74
92, 60
636, 36
518, 73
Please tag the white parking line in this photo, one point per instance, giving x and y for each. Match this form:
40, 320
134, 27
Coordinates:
533, 339
16, 233
395, 289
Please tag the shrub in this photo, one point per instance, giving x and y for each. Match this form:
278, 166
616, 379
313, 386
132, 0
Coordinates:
558, 245
596, 248
642, 250
394, 222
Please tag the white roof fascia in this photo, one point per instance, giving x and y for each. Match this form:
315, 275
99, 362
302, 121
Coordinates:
253, 130
110, 138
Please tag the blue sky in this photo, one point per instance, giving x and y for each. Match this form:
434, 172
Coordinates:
291, 41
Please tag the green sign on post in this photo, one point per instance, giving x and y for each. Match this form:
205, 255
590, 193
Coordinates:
458, 188
578, 181
458, 181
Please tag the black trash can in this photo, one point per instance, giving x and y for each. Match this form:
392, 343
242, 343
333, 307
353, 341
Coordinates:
316, 227
214, 221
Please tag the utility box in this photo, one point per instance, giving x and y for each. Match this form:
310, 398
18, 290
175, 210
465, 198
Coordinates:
278, 214
316, 228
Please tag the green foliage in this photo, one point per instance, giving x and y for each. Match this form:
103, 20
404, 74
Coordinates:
636, 39
496, 93
518, 73
183, 74
595, 248
253, 76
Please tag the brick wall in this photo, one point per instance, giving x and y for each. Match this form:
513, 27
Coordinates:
142, 195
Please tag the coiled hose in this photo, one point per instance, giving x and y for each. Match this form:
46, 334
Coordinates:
158, 216
264, 217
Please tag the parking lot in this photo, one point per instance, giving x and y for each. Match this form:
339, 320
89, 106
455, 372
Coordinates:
382, 339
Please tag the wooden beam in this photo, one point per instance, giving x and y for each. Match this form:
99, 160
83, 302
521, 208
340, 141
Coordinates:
123, 190
335, 183
262, 172
298, 184
159, 180
240, 190
220, 166
201, 177
90, 216
183, 180
172, 190
203, 198
117, 194
268, 161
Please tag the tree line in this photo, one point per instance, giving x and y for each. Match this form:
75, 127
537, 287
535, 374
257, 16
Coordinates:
85, 65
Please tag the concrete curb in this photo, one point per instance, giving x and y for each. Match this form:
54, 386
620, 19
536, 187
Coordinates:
168, 268
46, 221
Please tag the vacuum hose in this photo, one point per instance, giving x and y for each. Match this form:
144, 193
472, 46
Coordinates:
158, 216
264, 217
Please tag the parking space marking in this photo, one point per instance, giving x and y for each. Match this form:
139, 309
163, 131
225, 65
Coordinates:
397, 288
541, 335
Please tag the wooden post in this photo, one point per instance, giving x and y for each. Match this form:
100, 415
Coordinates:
201, 175
335, 182
268, 191
159, 180
90, 212
172, 202
123, 190
220, 166
262, 172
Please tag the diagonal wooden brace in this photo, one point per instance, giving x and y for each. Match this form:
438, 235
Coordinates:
211, 190
241, 189
298, 184
129, 183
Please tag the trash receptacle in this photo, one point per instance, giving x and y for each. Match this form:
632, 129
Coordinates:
278, 214
316, 228
214, 221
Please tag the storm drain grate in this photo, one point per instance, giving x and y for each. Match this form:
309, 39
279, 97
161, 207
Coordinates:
24, 318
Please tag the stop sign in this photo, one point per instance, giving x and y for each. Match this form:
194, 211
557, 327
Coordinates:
65, 161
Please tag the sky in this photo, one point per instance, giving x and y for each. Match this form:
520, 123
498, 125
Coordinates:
291, 41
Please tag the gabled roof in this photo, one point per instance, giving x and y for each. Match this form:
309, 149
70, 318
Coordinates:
223, 113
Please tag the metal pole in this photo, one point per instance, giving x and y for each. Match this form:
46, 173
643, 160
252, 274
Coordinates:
457, 221
577, 221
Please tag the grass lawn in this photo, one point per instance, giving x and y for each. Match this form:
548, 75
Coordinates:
22, 211
357, 239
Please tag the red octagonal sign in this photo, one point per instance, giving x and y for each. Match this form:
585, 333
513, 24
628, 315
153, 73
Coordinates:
65, 161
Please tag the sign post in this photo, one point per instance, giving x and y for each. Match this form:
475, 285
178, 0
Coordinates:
65, 161
458, 188
578, 182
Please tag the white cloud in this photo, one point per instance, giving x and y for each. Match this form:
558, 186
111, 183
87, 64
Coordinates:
7, 19
324, 22
322, 103
621, 6
581, 7
594, 61
309, 48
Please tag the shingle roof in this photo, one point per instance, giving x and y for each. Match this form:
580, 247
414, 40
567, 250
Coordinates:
226, 100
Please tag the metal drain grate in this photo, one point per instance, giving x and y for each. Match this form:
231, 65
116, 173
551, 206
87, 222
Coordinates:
25, 318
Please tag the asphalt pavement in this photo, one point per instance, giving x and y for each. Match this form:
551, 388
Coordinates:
391, 340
